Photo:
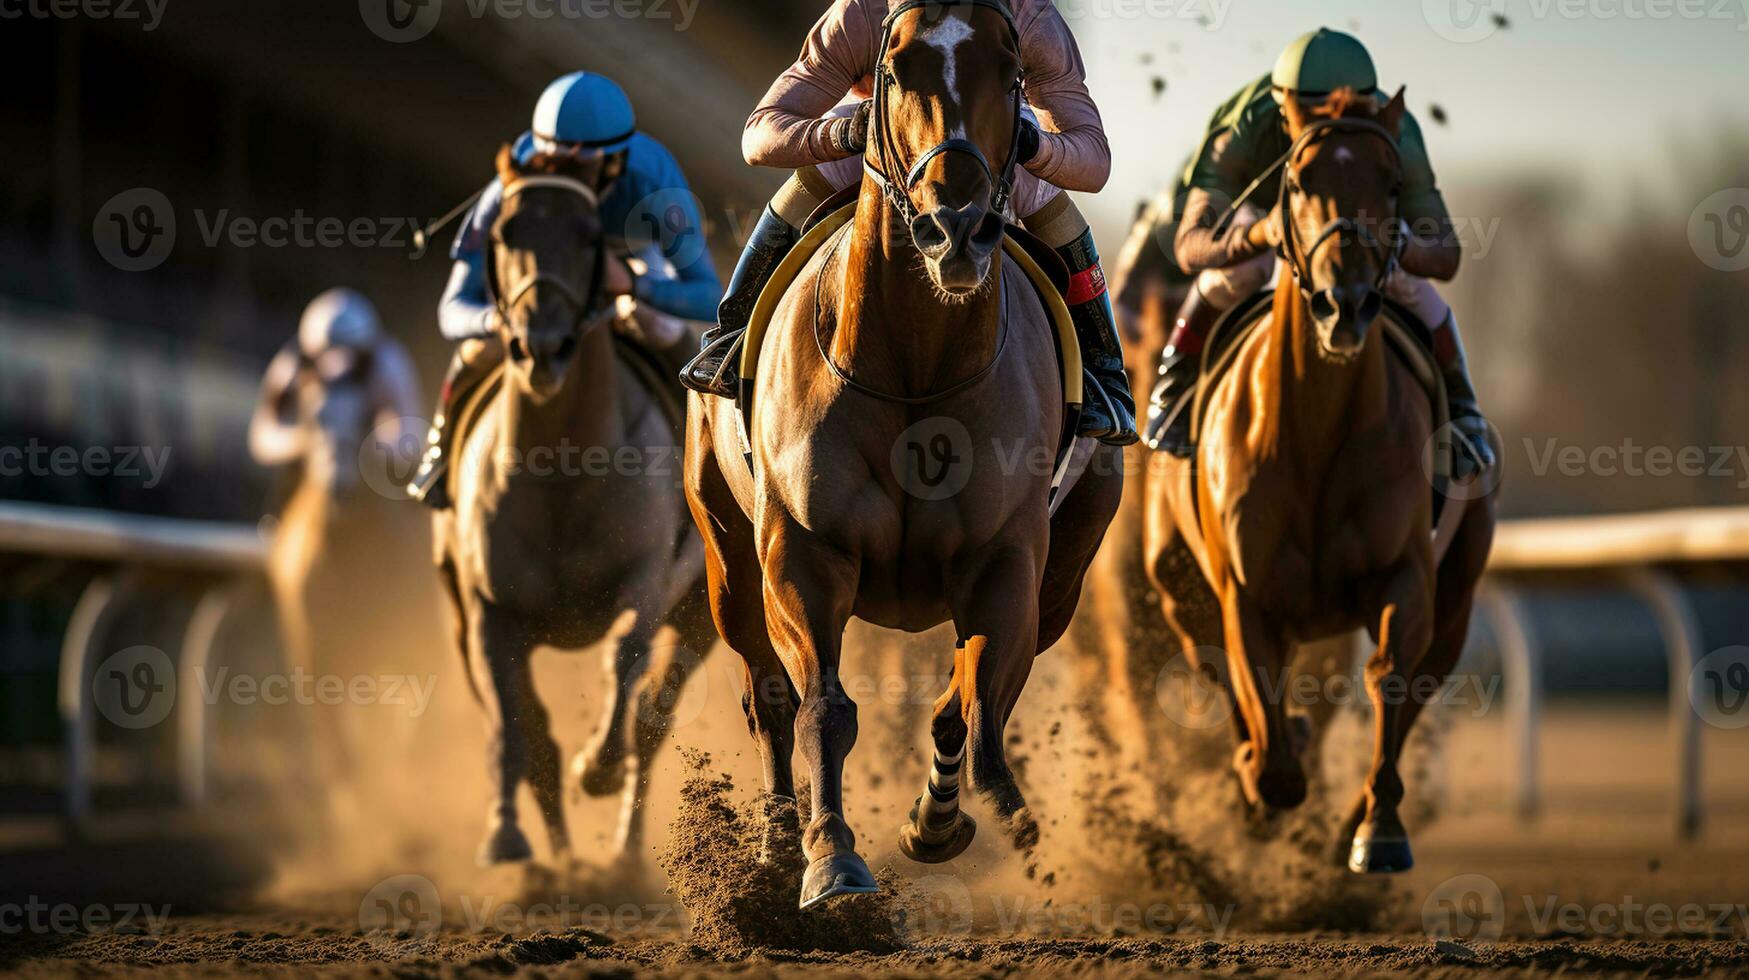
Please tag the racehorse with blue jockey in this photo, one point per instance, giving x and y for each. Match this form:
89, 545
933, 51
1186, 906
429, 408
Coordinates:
650, 216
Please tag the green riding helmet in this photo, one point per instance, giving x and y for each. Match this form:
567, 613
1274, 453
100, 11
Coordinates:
1321, 62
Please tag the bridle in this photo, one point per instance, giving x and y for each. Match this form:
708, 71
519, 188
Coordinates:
898, 195
587, 303
1299, 260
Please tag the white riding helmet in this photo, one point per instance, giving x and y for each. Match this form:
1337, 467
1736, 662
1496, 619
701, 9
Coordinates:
338, 319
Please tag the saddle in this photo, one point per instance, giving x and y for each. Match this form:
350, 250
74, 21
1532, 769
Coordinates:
1410, 341
1044, 270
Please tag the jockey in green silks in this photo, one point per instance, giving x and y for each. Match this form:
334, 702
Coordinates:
1246, 136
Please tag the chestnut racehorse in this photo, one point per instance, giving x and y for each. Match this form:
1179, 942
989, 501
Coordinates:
903, 375
536, 554
1306, 510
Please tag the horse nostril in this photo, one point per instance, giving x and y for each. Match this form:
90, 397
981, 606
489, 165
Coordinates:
1325, 305
566, 348
928, 234
1370, 306
518, 350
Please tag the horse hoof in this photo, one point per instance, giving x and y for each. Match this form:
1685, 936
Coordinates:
838, 873
599, 778
1380, 855
930, 846
505, 845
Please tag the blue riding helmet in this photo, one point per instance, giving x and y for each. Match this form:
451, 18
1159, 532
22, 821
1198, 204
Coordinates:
584, 110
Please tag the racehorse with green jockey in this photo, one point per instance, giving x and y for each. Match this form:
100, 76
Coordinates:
1227, 242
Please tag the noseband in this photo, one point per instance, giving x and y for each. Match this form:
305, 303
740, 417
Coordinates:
899, 195
587, 303
1299, 261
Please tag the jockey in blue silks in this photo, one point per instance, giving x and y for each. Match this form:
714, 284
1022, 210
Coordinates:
649, 214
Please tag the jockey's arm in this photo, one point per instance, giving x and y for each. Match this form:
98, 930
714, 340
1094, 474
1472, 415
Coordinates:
465, 312
1223, 166
1073, 153
1432, 250
663, 203
394, 387
787, 129
274, 436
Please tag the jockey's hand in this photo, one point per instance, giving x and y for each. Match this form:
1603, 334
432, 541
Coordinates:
616, 277
852, 136
1265, 234
1026, 142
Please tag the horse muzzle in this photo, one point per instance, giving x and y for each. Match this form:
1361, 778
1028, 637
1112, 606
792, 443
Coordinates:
545, 357
957, 245
1344, 314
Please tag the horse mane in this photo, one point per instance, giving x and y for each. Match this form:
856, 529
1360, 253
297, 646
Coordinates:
543, 164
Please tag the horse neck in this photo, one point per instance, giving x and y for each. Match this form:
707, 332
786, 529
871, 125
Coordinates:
1319, 399
893, 331
583, 413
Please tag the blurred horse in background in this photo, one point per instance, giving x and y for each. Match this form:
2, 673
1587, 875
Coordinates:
340, 403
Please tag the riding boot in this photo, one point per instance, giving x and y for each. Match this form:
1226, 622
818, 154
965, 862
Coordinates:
1474, 440
1108, 411
712, 370
1169, 412
463, 378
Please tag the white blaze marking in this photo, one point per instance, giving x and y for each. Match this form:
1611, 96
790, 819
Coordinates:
946, 36
1344, 155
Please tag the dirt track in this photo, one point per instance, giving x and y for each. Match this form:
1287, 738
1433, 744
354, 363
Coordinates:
1189, 889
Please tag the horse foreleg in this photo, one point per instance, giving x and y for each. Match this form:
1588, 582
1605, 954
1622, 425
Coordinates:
808, 596
939, 830
1267, 760
519, 742
1404, 633
601, 766
680, 651
997, 614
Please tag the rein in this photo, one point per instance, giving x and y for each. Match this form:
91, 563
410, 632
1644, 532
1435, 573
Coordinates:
899, 195
587, 303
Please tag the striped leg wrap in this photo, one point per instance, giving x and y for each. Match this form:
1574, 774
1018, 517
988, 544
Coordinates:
942, 802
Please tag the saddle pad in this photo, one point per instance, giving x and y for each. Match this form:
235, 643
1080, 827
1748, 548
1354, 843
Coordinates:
821, 229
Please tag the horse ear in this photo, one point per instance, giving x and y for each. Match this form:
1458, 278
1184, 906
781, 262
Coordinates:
1295, 113
1391, 116
507, 172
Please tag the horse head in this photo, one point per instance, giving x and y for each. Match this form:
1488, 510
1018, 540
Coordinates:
1341, 228
947, 103
545, 266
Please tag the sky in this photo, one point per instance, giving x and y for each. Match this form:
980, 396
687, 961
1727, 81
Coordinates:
1606, 90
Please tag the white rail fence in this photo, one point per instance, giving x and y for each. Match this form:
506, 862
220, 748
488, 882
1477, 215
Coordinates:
1641, 553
